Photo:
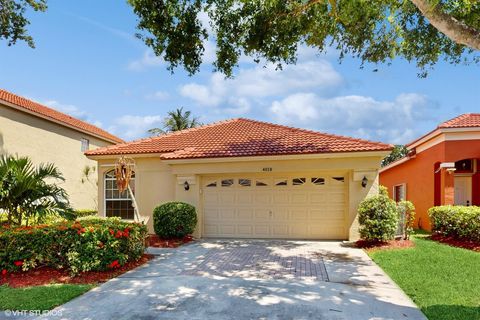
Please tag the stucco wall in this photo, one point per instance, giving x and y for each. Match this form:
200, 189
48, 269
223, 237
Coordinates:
45, 141
419, 177
158, 181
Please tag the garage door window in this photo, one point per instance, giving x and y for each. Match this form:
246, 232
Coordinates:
211, 184
227, 183
261, 183
339, 179
281, 182
118, 204
318, 181
245, 182
298, 181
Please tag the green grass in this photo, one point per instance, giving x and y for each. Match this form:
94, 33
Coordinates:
39, 297
443, 281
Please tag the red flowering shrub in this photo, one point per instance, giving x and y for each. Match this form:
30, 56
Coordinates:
92, 244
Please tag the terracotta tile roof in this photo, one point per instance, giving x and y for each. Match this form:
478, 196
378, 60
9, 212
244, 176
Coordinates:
54, 115
241, 137
462, 121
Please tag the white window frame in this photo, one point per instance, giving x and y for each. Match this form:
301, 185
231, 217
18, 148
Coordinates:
105, 178
85, 144
394, 194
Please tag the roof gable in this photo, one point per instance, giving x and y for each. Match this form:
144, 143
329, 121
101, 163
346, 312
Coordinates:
53, 115
239, 138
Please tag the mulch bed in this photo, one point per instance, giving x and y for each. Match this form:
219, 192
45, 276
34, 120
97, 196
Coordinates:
157, 242
382, 245
454, 242
47, 275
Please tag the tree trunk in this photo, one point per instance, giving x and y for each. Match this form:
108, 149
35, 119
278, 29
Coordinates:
454, 29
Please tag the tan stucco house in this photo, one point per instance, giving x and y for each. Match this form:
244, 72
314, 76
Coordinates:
28, 128
248, 179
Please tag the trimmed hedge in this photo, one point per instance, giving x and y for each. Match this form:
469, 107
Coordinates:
456, 221
378, 217
90, 244
174, 219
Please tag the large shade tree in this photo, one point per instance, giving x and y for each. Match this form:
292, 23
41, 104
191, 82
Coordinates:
176, 120
29, 193
377, 31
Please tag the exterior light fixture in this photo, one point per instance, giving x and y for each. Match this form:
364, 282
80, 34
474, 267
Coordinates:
186, 185
364, 181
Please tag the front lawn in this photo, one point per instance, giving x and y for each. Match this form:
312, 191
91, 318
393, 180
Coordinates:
443, 281
39, 297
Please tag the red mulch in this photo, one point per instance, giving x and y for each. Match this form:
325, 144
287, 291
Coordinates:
47, 275
381, 245
454, 242
155, 241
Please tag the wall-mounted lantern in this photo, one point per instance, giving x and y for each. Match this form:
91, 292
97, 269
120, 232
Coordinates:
364, 181
186, 185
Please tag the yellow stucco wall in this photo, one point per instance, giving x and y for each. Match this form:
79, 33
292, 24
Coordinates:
159, 181
45, 141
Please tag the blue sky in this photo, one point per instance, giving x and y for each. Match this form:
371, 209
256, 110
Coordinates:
88, 63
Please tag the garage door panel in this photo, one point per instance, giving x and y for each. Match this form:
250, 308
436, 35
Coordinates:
262, 230
262, 214
245, 213
245, 230
245, 198
300, 206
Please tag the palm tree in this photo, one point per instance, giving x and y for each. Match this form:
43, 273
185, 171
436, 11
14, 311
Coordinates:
27, 193
175, 121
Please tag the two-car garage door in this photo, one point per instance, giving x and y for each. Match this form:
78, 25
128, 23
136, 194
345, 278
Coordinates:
294, 206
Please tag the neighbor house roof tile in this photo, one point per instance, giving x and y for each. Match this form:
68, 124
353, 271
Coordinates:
462, 121
241, 137
54, 115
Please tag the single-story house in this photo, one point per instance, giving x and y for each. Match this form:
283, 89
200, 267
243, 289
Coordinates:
248, 179
442, 168
28, 128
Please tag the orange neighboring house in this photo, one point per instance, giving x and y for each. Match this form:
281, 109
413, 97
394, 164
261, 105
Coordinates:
442, 168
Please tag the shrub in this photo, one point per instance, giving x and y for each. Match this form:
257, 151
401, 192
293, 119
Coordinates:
85, 212
378, 217
89, 244
406, 215
456, 221
174, 219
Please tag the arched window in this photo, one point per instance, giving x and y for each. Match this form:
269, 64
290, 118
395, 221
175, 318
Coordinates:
118, 204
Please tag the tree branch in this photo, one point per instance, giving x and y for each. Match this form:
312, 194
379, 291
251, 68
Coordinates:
454, 29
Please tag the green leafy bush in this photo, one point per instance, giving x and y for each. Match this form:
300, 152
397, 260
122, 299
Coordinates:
378, 217
174, 219
82, 245
406, 215
456, 221
85, 212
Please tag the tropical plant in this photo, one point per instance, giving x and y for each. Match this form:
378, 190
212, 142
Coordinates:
82, 245
461, 222
399, 151
27, 193
174, 219
378, 218
406, 215
175, 121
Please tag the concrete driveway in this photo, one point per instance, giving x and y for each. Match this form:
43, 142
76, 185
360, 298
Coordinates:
249, 279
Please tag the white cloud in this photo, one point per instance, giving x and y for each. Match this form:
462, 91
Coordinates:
359, 116
148, 60
72, 110
262, 82
132, 127
158, 95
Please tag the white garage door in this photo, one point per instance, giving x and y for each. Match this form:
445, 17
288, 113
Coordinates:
294, 206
